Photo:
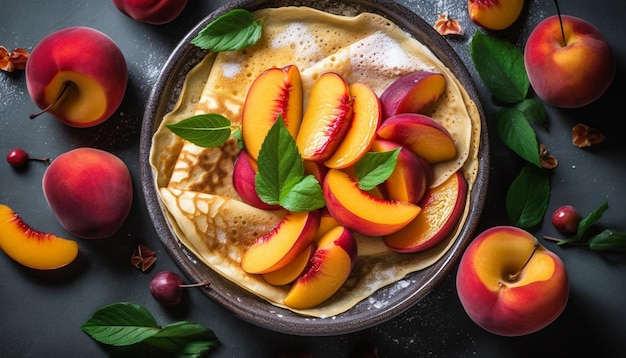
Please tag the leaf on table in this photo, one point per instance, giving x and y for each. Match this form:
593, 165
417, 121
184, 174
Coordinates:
528, 196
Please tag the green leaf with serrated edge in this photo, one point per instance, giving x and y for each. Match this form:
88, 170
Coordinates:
121, 324
586, 223
204, 130
376, 167
517, 134
500, 65
281, 175
608, 240
185, 339
528, 196
234, 30
534, 110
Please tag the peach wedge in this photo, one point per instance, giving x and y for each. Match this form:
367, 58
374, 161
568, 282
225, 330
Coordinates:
412, 93
278, 248
244, 172
360, 210
275, 91
366, 117
32, 248
328, 269
442, 207
292, 271
425, 136
326, 119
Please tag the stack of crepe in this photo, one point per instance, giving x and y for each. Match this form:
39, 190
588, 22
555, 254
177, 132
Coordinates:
195, 184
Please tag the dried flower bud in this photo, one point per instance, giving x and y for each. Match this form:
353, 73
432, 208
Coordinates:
585, 136
5, 60
446, 26
548, 161
19, 57
143, 258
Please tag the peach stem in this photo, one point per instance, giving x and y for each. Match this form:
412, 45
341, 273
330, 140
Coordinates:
558, 11
65, 86
513, 277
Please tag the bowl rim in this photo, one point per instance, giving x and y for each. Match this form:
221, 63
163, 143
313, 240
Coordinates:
245, 305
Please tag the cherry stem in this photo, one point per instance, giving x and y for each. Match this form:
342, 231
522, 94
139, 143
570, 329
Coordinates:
199, 284
56, 100
513, 277
558, 12
45, 160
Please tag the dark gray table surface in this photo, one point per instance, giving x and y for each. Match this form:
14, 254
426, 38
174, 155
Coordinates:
41, 312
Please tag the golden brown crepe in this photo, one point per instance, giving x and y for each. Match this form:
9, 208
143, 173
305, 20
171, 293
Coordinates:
195, 183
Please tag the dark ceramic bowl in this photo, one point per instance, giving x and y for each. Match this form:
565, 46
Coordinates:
247, 306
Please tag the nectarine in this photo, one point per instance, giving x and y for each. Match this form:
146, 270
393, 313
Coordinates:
156, 12
412, 93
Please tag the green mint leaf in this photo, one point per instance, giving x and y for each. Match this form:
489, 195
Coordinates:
608, 240
184, 338
527, 197
517, 134
375, 167
204, 130
234, 30
586, 223
534, 110
501, 66
121, 324
281, 175
239, 136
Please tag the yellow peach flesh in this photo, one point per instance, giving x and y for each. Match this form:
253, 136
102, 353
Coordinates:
83, 101
290, 272
31, 248
366, 117
494, 14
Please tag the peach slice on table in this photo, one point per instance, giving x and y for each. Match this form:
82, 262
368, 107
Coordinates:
442, 207
328, 269
326, 119
32, 248
409, 180
292, 271
361, 211
244, 172
412, 93
275, 91
366, 117
279, 247
494, 14
422, 134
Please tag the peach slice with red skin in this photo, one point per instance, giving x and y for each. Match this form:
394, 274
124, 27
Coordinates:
275, 91
326, 119
422, 134
279, 247
361, 211
442, 207
366, 117
412, 93
409, 180
494, 14
328, 269
293, 270
244, 172
32, 248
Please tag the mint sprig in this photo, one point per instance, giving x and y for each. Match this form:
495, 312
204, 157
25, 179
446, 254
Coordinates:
281, 177
501, 67
129, 325
234, 30
204, 130
376, 167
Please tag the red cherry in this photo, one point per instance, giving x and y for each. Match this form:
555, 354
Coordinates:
166, 287
566, 219
18, 158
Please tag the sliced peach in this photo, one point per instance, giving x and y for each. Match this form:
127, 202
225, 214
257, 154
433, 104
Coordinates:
292, 271
244, 172
412, 93
442, 207
409, 180
361, 211
422, 134
317, 169
366, 117
32, 248
326, 119
275, 91
275, 250
494, 14
327, 222
327, 271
